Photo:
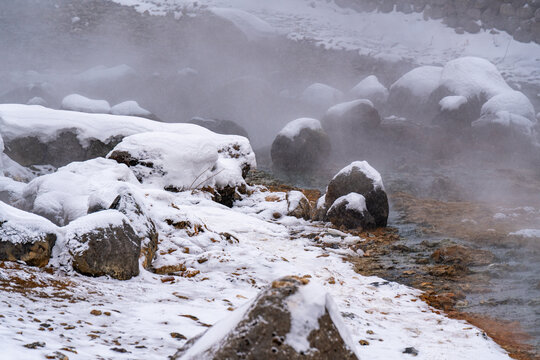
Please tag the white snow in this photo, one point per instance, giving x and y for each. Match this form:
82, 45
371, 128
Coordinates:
20, 226
129, 108
529, 233
252, 26
366, 169
354, 201
76, 102
293, 128
512, 101
370, 88
321, 95
337, 111
473, 77
421, 81
453, 102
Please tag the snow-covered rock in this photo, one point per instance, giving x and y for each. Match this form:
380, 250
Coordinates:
103, 74
132, 108
300, 146
25, 237
350, 211
290, 319
370, 88
76, 102
178, 162
321, 96
103, 243
351, 119
298, 205
361, 178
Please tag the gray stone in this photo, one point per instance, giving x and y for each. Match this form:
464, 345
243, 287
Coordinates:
341, 214
262, 331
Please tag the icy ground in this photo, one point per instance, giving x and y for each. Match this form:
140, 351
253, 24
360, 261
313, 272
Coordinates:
391, 37
238, 252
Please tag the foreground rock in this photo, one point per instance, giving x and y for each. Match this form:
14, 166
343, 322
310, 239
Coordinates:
359, 177
298, 205
291, 319
25, 237
302, 145
104, 243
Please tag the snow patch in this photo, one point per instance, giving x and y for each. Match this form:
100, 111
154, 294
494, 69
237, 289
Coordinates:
528, 233
355, 202
452, 103
129, 108
293, 128
366, 169
251, 25
76, 102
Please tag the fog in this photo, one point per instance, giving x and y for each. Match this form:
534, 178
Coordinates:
206, 67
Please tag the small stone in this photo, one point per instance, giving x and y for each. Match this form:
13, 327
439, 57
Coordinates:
411, 350
363, 342
120, 350
96, 312
35, 345
370, 332
178, 336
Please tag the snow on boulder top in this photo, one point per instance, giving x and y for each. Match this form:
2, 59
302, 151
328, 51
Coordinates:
337, 111
453, 102
76, 102
507, 119
366, 169
473, 77
421, 81
103, 73
321, 95
512, 101
20, 226
354, 201
370, 88
18, 121
251, 25
188, 161
293, 128
129, 108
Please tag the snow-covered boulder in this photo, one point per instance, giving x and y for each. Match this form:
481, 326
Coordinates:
302, 145
321, 96
298, 205
106, 75
76, 102
226, 127
103, 243
319, 213
370, 88
178, 162
76, 189
361, 178
35, 135
410, 93
25, 237
31, 94
132, 108
351, 119
290, 319
350, 211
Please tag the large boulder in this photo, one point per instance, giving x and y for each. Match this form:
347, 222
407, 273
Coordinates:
370, 88
302, 145
350, 211
25, 236
321, 96
359, 177
178, 162
351, 119
226, 127
291, 319
104, 243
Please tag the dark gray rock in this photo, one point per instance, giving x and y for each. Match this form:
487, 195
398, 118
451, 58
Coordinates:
343, 213
262, 331
304, 152
357, 181
110, 248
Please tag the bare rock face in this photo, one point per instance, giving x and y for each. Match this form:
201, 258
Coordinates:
270, 328
25, 237
104, 243
298, 205
360, 178
141, 222
350, 211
